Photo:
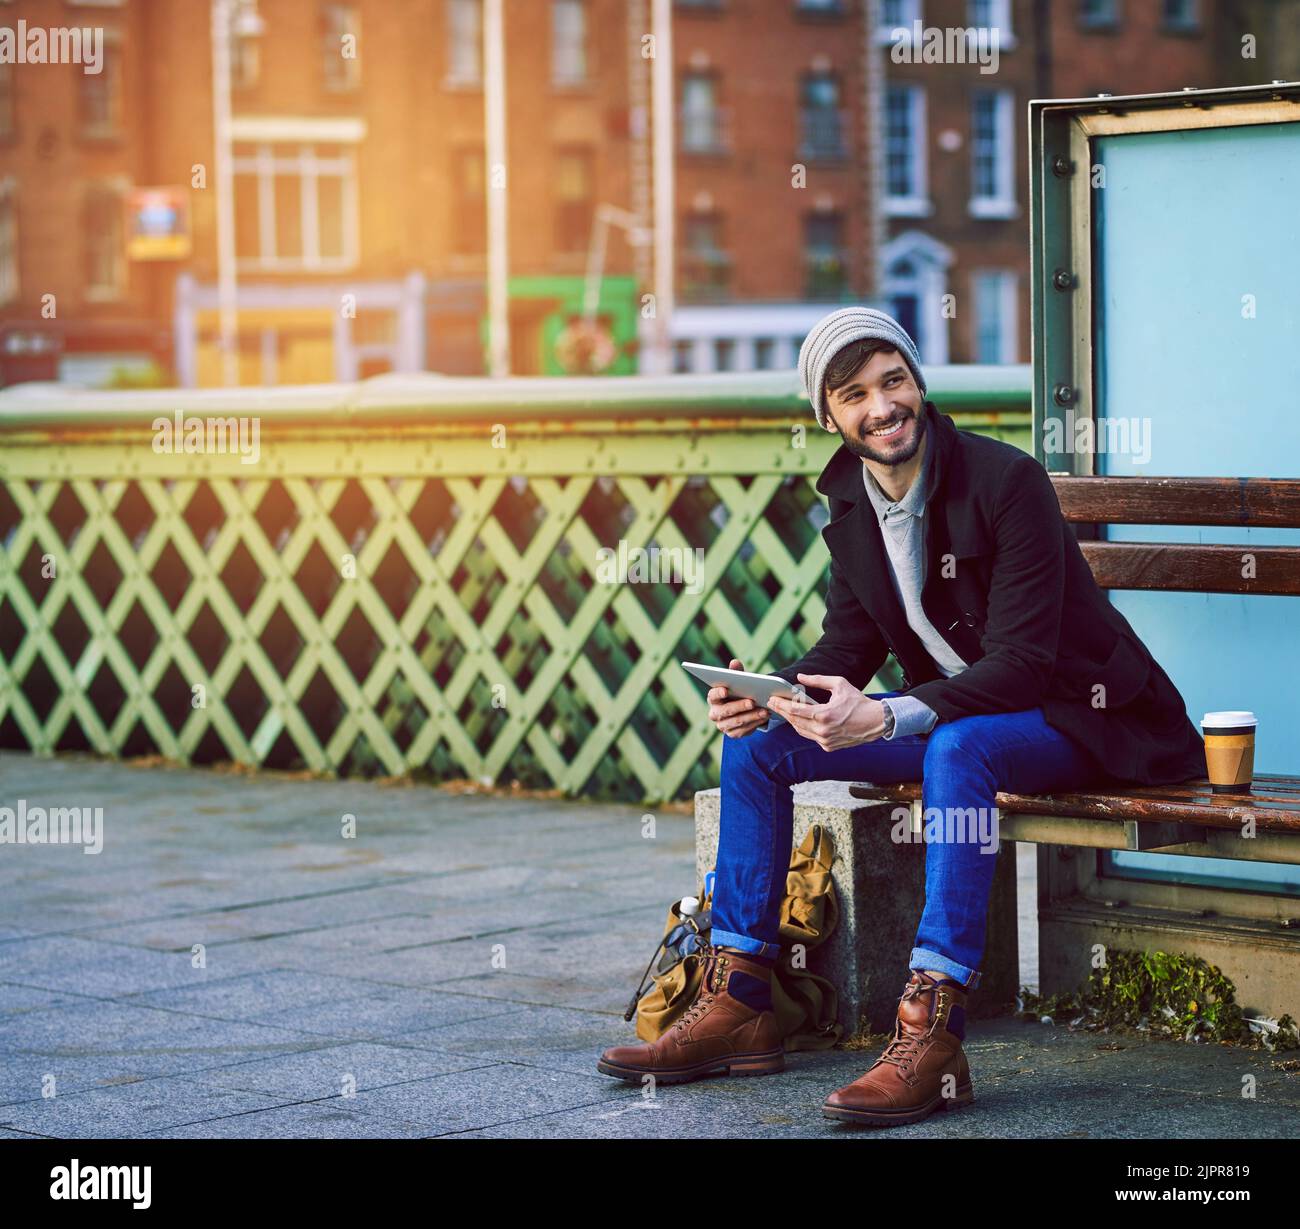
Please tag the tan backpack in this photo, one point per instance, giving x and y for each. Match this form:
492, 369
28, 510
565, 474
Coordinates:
805, 1004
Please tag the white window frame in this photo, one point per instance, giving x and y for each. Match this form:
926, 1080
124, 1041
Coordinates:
1000, 21
1008, 313
911, 14
916, 204
931, 261
694, 118
1001, 204
309, 167
563, 65
464, 71
349, 76
116, 125
245, 50
9, 264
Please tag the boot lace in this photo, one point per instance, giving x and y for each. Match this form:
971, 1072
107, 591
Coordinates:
905, 1046
714, 964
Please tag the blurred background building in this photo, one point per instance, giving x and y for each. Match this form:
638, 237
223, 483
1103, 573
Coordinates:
811, 167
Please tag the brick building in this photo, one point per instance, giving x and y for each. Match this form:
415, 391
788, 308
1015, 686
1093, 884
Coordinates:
925, 156
356, 176
816, 161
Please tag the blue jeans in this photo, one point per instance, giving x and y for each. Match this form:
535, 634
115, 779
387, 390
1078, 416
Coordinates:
961, 765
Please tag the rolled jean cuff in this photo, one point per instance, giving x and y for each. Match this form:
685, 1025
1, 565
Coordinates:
743, 943
922, 959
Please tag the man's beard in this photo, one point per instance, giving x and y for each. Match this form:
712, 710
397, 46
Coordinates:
862, 447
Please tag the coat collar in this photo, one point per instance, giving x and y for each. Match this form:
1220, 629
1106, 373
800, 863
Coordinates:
842, 476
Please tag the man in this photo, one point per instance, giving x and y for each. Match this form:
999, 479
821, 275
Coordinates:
949, 550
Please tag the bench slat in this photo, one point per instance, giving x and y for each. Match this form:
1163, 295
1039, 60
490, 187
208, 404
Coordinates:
1273, 502
1198, 806
1264, 791
1193, 567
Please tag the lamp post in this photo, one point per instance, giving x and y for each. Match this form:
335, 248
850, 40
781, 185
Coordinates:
238, 17
661, 102
496, 182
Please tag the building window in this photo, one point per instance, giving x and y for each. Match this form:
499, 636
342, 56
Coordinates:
295, 207
897, 15
469, 225
245, 61
825, 263
683, 356
905, 298
820, 8
1099, 14
575, 196
100, 95
8, 241
997, 324
821, 120
992, 147
706, 272
568, 42
701, 118
6, 100
464, 42
1180, 16
905, 164
915, 282
340, 47
105, 242
993, 15
764, 353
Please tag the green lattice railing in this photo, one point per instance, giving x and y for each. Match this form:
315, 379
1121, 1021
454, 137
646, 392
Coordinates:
409, 578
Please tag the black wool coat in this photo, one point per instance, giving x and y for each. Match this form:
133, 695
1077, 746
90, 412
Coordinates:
1009, 589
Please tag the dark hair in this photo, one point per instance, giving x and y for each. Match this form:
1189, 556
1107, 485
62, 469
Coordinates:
846, 362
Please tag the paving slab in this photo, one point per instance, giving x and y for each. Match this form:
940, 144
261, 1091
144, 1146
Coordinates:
491, 1096
128, 1109
310, 1075
460, 967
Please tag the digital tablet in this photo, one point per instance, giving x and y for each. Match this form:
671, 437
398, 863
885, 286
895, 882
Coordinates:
740, 684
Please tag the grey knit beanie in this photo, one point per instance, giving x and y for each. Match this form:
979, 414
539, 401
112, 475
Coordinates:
832, 333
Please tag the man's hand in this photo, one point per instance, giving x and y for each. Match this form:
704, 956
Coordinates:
735, 718
847, 719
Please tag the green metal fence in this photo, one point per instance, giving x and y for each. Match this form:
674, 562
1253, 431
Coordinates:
414, 574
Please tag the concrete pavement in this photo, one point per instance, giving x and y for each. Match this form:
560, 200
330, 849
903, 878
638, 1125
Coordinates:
233, 965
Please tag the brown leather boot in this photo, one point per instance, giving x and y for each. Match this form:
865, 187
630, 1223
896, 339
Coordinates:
923, 1068
718, 1031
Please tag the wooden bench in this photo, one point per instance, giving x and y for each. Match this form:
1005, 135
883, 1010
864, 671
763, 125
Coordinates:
880, 882
1163, 817
1175, 819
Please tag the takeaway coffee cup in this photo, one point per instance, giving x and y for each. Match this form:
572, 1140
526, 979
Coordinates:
1229, 750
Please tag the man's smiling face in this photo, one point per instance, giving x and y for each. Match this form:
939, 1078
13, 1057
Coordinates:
879, 411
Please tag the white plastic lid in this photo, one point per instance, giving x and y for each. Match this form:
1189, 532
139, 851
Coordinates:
1229, 717
689, 907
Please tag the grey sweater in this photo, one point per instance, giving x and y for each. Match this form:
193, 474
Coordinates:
902, 529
